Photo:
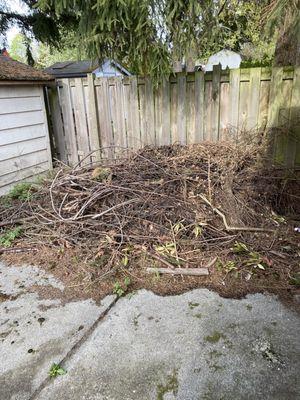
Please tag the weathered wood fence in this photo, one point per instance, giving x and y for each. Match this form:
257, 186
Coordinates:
116, 113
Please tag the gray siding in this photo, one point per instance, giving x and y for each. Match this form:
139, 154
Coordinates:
24, 138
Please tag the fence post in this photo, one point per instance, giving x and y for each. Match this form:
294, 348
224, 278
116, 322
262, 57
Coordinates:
57, 124
293, 146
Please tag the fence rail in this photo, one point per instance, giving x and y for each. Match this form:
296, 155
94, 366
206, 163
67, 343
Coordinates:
129, 112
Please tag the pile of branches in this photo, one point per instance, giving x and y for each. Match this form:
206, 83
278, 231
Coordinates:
175, 204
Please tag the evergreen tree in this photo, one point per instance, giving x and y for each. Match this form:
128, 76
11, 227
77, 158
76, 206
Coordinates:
284, 16
45, 27
149, 35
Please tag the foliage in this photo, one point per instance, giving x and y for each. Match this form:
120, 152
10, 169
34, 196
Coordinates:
282, 18
56, 370
17, 49
7, 238
21, 191
240, 247
68, 49
149, 35
120, 289
295, 279
33, 23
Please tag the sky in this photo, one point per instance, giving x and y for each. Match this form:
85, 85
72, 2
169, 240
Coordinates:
17, 6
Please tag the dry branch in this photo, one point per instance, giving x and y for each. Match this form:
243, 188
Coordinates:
234, 228
180, 271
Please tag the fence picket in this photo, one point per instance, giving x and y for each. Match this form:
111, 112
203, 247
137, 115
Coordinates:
181, 108
93, 120
199, 106
292, 156
215, 102
67, 110
234, 102
58, 126
81, 121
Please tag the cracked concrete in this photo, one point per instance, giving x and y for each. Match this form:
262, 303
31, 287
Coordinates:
195, 346
35, 333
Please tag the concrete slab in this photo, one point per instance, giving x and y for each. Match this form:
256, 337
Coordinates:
34, 333
196, 346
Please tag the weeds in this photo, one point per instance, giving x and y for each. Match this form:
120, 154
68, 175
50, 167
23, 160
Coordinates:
56, 370
7, 238
120, 289
21, 191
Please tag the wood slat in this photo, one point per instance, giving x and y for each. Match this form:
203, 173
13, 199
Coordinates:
68, 120
81, 122
91, 105
292, 156
136, 132
190, 112
57, 124
104, 116
234, 102
181, 108
199, 106
224, 111
166, 113
254, 89
149, 113
16, 105
215, 102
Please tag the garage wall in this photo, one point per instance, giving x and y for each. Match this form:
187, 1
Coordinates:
24, 137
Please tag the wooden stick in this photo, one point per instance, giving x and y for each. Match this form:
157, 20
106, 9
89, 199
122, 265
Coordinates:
16, 249
15, 221
161, 260
234, 228
180, 271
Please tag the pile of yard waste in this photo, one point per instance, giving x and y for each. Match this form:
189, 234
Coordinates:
212, 205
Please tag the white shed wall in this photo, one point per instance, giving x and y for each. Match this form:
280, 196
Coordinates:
24, 138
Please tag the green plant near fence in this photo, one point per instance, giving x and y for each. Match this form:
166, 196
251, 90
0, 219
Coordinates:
128, 112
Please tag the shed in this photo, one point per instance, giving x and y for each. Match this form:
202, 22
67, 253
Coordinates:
80, 69
227, 59
24, 138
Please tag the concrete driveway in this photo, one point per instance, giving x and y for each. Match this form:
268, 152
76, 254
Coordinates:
195, 346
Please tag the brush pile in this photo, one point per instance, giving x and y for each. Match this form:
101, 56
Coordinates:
168, 206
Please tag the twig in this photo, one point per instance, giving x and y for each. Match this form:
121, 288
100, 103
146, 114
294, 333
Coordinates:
17, 249
180, 271
209, 180
16, 221
162, 260
114, 207
234, 228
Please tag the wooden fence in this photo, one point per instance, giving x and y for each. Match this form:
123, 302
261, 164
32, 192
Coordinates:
129, 112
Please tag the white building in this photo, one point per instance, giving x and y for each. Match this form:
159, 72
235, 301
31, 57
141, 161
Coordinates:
227, 59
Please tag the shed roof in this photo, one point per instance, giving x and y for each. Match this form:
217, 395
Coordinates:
12, 70
72, 68
68, 69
